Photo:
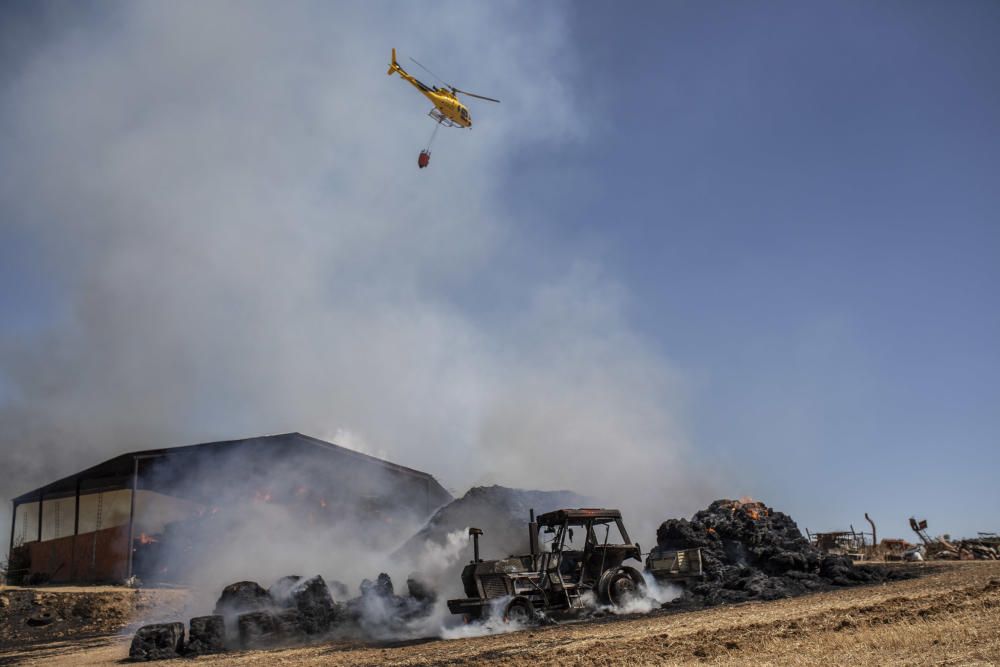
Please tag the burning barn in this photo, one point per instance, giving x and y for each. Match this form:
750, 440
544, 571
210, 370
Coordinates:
154, 513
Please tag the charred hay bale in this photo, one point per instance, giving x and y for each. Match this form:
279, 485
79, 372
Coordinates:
258, 629
379, 609
317, 609
382, 586
841, 571
676, 534
159, 641
242, 597
206, 634
420, 590
290, 625
281, 590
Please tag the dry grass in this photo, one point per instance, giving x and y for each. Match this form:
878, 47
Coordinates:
949, 616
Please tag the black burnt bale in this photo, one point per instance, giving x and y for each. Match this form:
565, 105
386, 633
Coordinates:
290, 626
841, 571
206, 634
752, 552
159, 641
280, 591
420, 591
382, 586
242, 597
379, 610
316, 606
258, 629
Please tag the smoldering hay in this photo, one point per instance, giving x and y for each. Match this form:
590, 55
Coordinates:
753, 552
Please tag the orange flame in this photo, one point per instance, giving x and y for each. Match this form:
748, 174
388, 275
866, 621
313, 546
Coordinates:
147, 539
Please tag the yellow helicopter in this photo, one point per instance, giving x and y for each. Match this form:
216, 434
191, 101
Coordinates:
447, 111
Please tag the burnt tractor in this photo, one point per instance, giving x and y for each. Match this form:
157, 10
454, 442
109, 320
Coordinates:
576, 555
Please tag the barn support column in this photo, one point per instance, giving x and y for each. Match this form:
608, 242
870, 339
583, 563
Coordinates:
41, 498
76, 530
131, 514
13, 525
76, 511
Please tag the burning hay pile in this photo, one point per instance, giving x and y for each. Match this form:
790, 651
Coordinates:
752, 552
293, 611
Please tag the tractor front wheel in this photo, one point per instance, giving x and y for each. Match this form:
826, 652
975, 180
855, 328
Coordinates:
519, 611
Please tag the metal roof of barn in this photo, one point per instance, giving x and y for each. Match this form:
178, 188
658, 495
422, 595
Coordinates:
110, 473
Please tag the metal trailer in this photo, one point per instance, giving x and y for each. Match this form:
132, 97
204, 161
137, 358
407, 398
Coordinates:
680, 566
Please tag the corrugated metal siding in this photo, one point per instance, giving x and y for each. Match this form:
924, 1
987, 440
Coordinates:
91, 557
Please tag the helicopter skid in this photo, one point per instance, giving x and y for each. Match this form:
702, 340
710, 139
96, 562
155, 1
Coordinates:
441, 118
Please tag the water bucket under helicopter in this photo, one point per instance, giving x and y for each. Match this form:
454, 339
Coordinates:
424, 158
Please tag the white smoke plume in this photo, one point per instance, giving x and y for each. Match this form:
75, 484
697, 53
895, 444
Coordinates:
222, 233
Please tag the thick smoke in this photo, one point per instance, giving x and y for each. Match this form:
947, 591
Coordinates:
222, 233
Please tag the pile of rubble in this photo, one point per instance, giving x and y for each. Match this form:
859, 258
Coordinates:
752, 552
293, 611
973, 549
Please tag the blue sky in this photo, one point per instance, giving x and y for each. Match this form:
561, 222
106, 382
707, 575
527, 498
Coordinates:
756, 245
804, 199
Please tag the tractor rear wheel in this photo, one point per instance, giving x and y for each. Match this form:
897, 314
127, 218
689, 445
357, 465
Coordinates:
624, 587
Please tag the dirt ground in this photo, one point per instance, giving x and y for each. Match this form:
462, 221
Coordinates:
35, 618
948, 616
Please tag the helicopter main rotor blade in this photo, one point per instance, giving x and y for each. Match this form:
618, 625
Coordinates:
440, 80
481, 97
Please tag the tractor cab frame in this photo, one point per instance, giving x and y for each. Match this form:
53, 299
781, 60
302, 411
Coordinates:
575, 556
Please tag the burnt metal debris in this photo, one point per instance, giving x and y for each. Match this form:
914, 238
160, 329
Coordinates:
984, 547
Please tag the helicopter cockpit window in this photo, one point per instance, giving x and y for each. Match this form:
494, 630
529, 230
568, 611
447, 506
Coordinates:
465, 113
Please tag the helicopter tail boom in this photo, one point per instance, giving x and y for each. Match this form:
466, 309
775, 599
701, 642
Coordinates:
393, 66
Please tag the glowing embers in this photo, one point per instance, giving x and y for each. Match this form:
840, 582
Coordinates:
747, 506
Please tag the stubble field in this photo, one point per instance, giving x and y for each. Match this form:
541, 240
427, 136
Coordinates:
950, 615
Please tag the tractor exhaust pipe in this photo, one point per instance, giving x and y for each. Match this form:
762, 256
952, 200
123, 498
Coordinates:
474, 533
533, 533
